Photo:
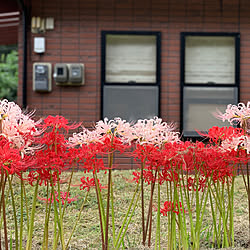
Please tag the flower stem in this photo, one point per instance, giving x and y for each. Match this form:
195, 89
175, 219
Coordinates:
126, 228
4, 212
60, 212
142, 205
78, 218
158, 226
107, 211
26, 206
30, 234
100, 209
14, 209
112, 210
126, 216
21, 218
47, 216
149, 218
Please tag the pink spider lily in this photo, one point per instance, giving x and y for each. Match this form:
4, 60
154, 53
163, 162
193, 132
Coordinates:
17, 126
235, 113
154, 131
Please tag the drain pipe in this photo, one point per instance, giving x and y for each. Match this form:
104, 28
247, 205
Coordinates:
24, 40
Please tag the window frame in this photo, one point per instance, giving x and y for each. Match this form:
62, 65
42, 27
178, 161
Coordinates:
157, 84
183, 84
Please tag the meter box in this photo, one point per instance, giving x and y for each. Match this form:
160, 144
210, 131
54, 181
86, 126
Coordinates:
61, 73
69, 74
42, 77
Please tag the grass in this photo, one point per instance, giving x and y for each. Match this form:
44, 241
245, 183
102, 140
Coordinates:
87, 233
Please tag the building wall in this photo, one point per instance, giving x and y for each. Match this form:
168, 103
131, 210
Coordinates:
77, 38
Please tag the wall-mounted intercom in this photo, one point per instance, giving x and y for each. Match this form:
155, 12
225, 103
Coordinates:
69, 74
42, 77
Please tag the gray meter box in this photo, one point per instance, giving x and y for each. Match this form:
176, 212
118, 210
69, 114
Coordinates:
69, 74
42, 77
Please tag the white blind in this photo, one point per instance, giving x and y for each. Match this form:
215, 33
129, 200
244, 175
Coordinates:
210, 59
131, 58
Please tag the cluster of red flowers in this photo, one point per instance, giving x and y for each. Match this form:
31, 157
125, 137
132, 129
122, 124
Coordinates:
64, 196
88, 183
170, 206
167, 155
10, 158
197, 162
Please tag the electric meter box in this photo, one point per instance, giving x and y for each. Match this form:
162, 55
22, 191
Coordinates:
66, 74
61, 73
42, 77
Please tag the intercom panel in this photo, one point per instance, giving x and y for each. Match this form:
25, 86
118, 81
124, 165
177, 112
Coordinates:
42, 77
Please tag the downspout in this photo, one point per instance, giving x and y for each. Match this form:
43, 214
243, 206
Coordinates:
24, 76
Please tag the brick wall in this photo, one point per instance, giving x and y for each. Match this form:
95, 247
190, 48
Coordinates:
77, 36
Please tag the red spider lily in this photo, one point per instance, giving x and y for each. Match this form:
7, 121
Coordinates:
55, 155
112, 143
88, 183
148, 176
58, 122
44, 176
217, 134
192, 185
10, 158
170, 206
211, 161
142, 152
169, 175
63, 198
86, 157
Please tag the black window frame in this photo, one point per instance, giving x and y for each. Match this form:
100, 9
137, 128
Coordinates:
104, 34
183, 84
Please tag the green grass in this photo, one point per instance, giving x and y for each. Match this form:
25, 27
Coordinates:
87, 234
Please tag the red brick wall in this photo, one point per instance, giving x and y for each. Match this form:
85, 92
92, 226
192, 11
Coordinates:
76, 38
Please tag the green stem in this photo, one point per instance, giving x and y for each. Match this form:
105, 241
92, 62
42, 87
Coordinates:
112, 210
67, 195
47, 216
182, 219
4, 212
214, 215
26, 206
158, 231
77, 220
126, 216
107, 211
149, 218
21, 219
142, 205
100, 209
126, 228
14, 209
30, 234
68, 191
189, 207
60, 211
57, 220
232, 212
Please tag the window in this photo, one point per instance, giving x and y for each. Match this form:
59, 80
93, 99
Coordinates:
130, 74
209, 78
